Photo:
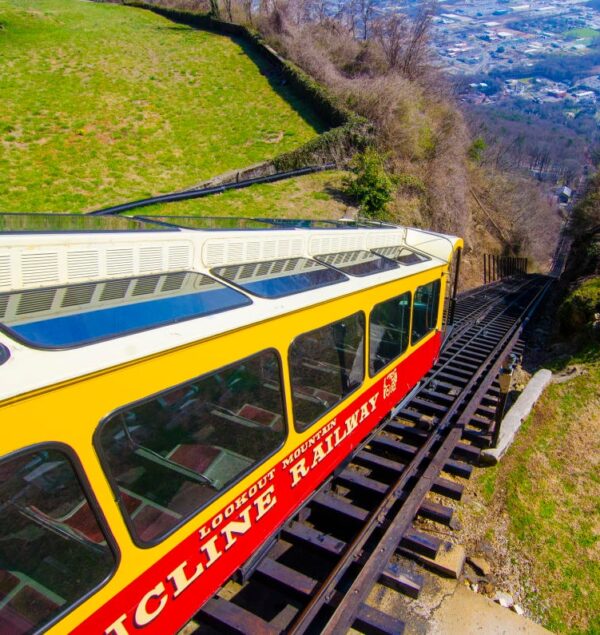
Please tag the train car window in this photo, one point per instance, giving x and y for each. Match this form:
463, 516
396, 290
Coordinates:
278, 278
389, 325
403, 255
52, 549
63, 317
358, 263
425, 310
326, 365
169, 456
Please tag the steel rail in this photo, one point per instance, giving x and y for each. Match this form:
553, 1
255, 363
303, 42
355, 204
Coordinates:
345, 613
393, 493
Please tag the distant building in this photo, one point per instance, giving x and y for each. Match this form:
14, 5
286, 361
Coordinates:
564, 194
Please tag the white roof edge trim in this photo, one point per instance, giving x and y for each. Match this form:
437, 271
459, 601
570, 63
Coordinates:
440, 246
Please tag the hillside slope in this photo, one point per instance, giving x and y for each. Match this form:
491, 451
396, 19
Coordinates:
104, 103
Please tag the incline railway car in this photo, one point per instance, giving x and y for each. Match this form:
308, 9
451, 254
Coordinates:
170, 395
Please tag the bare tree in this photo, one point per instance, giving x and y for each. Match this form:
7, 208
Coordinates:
228, 13
366, 12
416, 53
247, 9
214, 9
391, 33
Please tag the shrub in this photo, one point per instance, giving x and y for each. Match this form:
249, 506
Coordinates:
579, 308
477, 149
410, 183
371, 186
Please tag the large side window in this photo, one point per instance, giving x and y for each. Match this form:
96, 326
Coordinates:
52, 550
170, 455
326, 365
425, 310
389, 329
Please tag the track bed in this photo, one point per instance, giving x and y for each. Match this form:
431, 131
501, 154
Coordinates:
357, 529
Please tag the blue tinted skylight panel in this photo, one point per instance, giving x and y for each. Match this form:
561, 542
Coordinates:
403, 255
64, 317
278, 278
358, 263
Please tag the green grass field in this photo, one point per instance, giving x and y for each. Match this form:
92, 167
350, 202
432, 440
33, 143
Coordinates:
311, 196
576, 34
103, 103
549, 485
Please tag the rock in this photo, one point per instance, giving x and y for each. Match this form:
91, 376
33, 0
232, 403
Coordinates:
475, 587
485, 548
455, 524
517, 609
481, 565
488, 588
471, 578
503, 599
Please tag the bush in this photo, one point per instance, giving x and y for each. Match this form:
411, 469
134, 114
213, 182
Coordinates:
410, 183
371, 186
579, 308
477, 149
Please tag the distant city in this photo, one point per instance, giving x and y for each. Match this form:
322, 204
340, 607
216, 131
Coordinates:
528, 76
475, 37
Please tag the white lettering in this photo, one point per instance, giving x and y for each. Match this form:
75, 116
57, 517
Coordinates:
236, 526
142, 615
318, 455
373, 401
241, 500
203, 531
211, 551
265, 502
298, 472
180, 579
229, 510
352, 423
216, 521
117, 627
364, 412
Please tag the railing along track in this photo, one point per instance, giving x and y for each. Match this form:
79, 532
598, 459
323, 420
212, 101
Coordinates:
318, 574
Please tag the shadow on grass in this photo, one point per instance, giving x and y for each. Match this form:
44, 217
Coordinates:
578, 351
337, 194
275, 77
278, 83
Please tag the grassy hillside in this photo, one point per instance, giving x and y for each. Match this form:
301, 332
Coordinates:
104, 103
311, 196
536, 515
549, 488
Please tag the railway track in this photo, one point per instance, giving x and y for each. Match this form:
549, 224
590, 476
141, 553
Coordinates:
317, 574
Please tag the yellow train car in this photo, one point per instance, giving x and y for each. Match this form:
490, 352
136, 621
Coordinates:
169, 396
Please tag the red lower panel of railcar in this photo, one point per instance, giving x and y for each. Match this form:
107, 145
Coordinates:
166, 596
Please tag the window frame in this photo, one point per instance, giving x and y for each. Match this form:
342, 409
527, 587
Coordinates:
137, 541
86, 487
10, 332
396, 265
434, 328
423, 257
408, 342
238, 287
297, 428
